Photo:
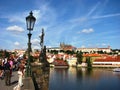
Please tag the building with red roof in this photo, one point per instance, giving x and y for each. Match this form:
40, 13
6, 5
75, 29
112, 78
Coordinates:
107, 61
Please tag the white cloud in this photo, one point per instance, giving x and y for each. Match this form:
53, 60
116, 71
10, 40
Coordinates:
15, 28
20, 17
16, 43
16, 19
106, 16
78, 21
83, 46
82, 19
37, 14
102, 44
90, 30
105, 44
47, 14
36, 47
93, 9
35, 41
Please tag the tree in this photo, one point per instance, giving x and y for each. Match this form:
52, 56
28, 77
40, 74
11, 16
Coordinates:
62, 51
79, 56
69, 52
1, 55
100, 52
6, 54
88, 61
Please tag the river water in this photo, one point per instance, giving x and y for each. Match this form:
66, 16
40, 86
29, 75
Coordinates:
84, 79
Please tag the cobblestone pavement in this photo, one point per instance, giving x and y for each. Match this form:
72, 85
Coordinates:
14, 82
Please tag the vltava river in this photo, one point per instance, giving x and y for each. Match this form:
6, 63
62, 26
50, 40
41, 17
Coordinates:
84, 79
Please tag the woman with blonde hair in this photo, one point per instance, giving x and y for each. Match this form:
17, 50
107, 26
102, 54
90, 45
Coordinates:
20, 77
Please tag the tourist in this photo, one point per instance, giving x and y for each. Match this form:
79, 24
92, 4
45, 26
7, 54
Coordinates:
11, 65
20, 77
7, 73
1, 69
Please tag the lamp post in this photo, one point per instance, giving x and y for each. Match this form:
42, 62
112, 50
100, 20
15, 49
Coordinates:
30, 21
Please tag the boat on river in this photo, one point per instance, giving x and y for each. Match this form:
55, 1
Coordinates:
116, 70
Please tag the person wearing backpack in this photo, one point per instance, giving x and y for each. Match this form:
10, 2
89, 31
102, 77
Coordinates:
7, 73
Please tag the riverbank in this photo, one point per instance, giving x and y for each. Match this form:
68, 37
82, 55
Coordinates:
103, 66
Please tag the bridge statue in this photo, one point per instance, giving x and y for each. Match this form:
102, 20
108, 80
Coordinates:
43, 58
44, 67
42, 39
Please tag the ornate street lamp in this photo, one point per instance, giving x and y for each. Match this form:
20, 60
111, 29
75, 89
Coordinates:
30, 21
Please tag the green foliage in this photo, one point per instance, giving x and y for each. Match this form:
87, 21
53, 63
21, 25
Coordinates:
69, 52
79, 57
62, 51
100, 52
89, 62
54, 51
4, 53
1, 55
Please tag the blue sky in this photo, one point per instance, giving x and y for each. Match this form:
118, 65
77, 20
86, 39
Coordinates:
81, 23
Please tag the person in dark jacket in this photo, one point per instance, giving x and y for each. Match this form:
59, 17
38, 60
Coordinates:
7, 73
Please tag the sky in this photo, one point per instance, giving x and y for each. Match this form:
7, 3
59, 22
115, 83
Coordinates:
80, 23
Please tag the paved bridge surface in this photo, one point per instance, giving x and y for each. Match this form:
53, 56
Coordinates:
14, 82
28, 83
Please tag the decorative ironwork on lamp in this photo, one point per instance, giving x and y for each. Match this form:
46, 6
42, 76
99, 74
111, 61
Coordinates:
30, 21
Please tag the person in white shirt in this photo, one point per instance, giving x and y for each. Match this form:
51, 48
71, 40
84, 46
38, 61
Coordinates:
20, 77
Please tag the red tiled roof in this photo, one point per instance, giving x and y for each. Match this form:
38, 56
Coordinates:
92, 55
108, 59
59, 62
